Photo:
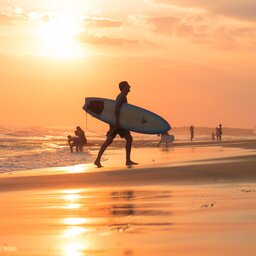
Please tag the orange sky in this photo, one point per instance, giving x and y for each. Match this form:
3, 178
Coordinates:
191, 61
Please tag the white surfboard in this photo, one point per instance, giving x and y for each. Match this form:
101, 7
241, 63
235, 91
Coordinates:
132, 118
166, 138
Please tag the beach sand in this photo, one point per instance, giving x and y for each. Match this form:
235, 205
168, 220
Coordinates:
190, 199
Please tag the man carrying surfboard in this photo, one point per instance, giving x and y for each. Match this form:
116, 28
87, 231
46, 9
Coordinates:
116, 129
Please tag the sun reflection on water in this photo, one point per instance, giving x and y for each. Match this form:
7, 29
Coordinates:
74, 231
74, 243
75, 221
68, 192
76, 168
74, 249
72, 206
72, 196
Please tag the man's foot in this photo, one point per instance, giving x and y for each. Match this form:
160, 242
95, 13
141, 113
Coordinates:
97, 163
131, 163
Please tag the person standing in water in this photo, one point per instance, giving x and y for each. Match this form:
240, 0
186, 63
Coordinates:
217, 133
73, 142
117, 129
81, 136
192, 132
220, 132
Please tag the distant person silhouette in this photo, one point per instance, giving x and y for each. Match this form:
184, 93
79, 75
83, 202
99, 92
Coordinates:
213, 136
217, 133
73, 141
81, 136
192, 132
220, 132
165, 138
116, 129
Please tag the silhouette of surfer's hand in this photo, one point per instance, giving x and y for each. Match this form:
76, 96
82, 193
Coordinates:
117, 124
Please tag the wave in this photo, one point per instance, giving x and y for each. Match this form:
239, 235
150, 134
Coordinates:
35, 131
36, 160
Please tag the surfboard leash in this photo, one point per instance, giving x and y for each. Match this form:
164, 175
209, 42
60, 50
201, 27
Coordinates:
86, 126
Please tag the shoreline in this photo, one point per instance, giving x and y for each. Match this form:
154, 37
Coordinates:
211, 170
27, 157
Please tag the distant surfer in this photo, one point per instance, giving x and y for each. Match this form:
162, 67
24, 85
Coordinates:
166, 138
116, 129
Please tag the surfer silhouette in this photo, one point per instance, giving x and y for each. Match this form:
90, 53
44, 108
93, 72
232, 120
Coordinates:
165, 138
117, 129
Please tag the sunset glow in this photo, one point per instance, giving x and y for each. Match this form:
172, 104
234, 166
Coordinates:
57, 37
128, 127
198, 57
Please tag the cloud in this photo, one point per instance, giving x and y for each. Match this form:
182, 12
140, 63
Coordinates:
11, 15
106, 31
5, 20
93, 22
242, 9
106, 40
206, 30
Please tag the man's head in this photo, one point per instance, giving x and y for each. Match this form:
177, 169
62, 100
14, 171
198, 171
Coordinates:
124, 87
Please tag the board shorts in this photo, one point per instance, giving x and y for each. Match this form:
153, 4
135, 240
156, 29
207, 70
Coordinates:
112, 132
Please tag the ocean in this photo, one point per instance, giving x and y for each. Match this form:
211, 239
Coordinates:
32, 148
36, 147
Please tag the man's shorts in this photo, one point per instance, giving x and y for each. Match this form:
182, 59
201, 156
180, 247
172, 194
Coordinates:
112, 132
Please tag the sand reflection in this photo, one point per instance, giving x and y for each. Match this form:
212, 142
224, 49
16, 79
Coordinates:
78, 222
75, 221
71, 196
76, 168
74, 249
101, 215
73, 239
73, 231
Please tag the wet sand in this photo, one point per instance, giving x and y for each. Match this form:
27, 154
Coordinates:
193, 199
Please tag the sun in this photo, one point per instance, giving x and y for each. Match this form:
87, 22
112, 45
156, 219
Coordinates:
57, 36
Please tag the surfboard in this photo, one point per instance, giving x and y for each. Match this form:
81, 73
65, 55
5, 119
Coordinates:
167, 138
132, 118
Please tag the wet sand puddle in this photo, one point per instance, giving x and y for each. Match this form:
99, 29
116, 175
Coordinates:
193, 220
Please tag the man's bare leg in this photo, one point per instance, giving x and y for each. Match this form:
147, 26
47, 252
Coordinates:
128, 149
104, 146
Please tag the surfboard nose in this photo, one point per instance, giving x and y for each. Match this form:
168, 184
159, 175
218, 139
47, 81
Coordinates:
94, 106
